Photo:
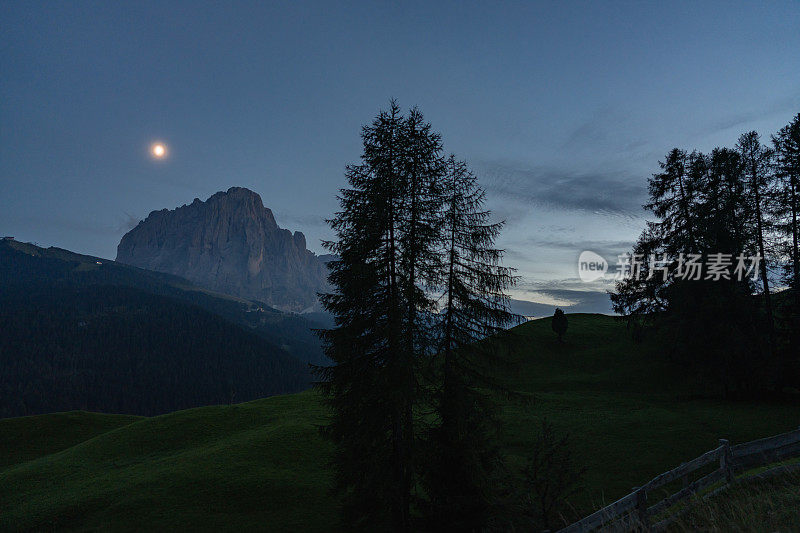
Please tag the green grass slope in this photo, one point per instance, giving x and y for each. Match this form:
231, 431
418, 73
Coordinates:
262, 465
258, 465
629, 414
26, 438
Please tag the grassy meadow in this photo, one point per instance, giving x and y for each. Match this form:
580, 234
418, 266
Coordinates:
263, 465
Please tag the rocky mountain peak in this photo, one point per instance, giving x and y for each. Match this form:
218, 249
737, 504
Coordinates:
229, 243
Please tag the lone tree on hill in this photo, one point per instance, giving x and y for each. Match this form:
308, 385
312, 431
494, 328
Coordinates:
559, 324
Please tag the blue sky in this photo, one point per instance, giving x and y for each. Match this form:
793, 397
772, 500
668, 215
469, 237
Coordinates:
562, 108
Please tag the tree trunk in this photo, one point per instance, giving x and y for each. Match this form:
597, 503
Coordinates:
795, 254
764, 280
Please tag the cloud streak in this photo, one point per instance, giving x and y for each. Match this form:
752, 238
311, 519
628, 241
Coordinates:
300, 221
597, 192
744, 119
608, 249
544, 303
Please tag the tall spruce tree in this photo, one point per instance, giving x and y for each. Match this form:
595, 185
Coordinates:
787, 207
419, 224
363, 386
785, 213
461, 459
712, 320
756, 160
387, 234
672, 200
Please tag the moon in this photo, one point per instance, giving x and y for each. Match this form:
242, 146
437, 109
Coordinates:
158, 150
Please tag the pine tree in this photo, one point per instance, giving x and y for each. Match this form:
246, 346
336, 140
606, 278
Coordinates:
786, 211
387, 237
757, 167
673, 201
419, 222
787, 152
460, 456
363, 386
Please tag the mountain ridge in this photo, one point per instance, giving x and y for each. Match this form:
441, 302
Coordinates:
229, 243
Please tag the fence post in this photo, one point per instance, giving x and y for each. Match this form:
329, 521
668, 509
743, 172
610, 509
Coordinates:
641, 508
725, 460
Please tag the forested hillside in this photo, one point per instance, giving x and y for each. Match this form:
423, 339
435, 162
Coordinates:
26, 265
79, 333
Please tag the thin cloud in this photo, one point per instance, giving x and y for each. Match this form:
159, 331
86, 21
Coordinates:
564, 286
607, 249
544, 302
299, 222
605, 193
744, 120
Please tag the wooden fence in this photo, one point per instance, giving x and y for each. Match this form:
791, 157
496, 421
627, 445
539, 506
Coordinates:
632, 512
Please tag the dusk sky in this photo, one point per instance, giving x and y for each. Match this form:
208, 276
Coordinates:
563, 109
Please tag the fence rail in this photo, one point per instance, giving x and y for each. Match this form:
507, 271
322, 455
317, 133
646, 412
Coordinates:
632, 511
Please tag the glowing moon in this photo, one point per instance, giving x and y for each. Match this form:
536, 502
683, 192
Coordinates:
159, 150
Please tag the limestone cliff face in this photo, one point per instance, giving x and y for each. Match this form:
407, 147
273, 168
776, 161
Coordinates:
229, 243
